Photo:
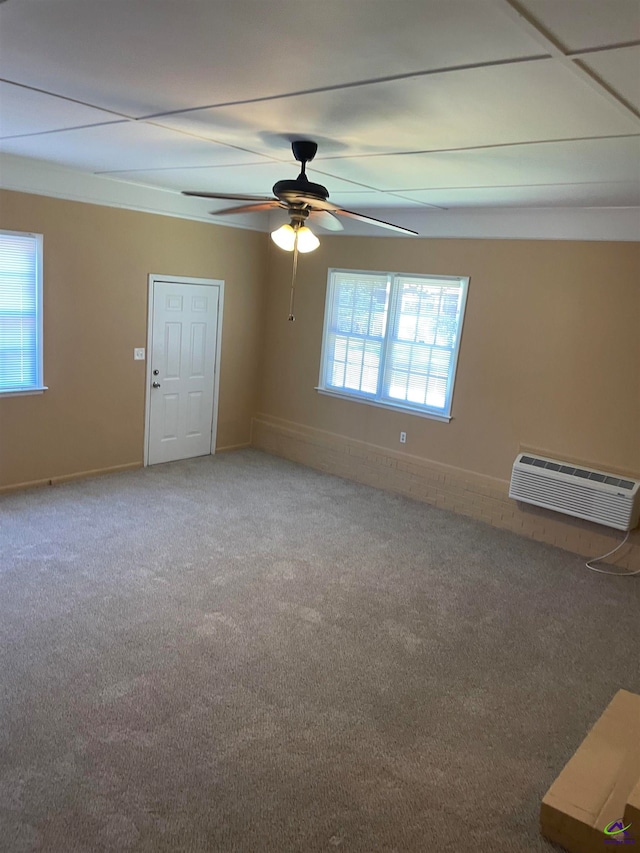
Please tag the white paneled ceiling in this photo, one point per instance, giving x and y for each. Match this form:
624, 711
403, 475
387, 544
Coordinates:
586, 24
458, 109
416, 106
128, 146
29, 112
619, 69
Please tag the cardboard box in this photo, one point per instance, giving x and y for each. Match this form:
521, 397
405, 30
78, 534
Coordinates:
600, 785
632, 814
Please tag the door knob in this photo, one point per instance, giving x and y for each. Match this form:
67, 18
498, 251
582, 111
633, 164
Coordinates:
156, 385
156, 372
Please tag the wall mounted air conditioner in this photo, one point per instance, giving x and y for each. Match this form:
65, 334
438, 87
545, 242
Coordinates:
582, 492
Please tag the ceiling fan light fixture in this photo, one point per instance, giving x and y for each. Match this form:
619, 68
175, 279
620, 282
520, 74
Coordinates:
307, 240
285, 238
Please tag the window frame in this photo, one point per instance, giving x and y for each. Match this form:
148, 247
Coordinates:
38, 387
420, 410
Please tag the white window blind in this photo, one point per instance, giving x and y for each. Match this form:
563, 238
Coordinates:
355, 337
393, 339
20, 312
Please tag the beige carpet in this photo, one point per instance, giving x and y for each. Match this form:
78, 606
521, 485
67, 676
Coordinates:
239, 654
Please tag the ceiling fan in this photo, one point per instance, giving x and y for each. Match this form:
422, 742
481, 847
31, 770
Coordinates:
301, 198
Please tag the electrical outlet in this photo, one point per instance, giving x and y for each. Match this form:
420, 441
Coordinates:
403, 438
138, 354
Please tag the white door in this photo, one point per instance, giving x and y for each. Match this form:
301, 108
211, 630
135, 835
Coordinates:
184, 323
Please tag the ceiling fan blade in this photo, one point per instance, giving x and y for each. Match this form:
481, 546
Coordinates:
230, 196
316, 204
373, 221
327, 220
248, 208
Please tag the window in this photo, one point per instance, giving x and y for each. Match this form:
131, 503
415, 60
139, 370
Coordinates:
392, 339
20, 312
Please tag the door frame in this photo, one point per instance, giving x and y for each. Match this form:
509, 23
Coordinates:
153, 279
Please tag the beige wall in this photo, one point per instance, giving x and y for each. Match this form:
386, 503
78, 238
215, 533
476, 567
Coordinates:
549, 359
96, 266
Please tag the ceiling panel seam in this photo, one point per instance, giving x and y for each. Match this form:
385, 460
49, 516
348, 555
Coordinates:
488, 147
50, 94
400, 192
474, 66
64, 129
518, 13
200, 136
485, 147
576, 54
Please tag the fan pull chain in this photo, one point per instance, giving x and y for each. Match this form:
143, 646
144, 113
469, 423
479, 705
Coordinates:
293, 278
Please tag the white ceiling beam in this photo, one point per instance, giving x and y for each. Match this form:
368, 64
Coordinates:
601, 48
569, 59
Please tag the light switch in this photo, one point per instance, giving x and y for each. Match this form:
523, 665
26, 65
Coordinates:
138, 354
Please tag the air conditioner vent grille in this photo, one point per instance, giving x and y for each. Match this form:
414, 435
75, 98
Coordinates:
584, 493
583, 473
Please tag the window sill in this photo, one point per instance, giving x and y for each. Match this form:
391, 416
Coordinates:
394, 407
24, 392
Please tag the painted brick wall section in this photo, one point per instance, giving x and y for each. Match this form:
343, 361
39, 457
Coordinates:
464, 492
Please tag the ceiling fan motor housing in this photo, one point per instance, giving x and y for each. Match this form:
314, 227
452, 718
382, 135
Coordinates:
304, 151
288, 190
